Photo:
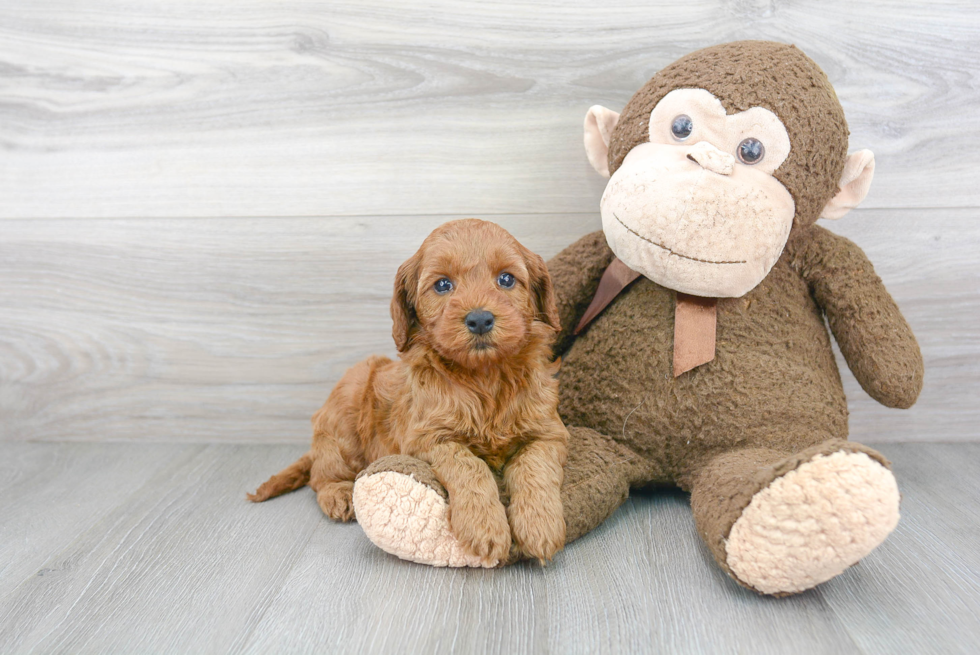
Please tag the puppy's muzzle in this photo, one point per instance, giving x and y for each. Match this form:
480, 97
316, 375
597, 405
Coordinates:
479, 321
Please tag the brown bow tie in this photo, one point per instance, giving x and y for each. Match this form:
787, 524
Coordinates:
695, 318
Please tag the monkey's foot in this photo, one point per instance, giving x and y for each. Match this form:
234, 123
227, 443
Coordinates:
812, 523
405, 511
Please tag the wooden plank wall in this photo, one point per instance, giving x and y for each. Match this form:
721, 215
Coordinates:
202, 204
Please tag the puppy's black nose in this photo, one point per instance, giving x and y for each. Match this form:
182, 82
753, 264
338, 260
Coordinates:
479, 321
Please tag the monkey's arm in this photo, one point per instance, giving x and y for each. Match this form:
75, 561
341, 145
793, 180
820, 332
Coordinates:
575, 274
873, 336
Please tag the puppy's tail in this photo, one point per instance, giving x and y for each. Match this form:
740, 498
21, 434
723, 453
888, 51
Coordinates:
290, 478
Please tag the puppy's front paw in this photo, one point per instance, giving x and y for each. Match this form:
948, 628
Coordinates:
481, 528
538, 529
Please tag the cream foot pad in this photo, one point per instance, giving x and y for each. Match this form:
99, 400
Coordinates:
409, 519
812, 523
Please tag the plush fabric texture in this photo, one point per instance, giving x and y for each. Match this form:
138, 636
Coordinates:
409, 519
617, 276
403, 507
407, 466
774, 379
575, 276
693, 229
768, 404
747, 74
812, 523
758, 435
805, 508
712, 158
774, 383
599, 125
714, 126
622, 366
873, 336
771, 399
859, 170
728, 483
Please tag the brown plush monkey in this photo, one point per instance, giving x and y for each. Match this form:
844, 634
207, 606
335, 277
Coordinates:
702, 356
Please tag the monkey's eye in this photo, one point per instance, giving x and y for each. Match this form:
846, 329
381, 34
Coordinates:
505, 280
443, 285
751, 151
682, 127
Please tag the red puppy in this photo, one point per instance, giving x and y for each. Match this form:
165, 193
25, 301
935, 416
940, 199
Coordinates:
473, 394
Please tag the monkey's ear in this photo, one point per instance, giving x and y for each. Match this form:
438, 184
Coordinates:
404, 319
854, 184
542, 291
599, 124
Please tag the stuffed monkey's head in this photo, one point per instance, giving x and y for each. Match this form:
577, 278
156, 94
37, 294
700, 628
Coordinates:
717, 159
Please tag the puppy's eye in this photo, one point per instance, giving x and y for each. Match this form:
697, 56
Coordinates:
681, 127
505, 280
751, 151
443, 285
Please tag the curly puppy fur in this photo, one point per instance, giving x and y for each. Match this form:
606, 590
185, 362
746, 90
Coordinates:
479, 408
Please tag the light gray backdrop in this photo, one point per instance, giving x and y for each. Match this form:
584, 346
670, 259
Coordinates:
202, 205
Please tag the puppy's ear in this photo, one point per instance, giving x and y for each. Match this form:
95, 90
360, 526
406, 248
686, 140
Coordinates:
404, 319
541, 289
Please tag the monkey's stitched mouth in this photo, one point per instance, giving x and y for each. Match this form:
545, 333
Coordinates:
663, 247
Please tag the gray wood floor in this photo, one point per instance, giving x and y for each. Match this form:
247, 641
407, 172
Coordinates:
152, 548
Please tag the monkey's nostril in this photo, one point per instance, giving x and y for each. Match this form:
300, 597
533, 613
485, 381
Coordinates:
691, 157
479, 321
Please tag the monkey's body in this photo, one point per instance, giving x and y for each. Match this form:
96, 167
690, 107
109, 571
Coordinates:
770, 401
773, 382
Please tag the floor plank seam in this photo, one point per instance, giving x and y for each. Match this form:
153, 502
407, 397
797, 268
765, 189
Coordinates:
122, 543
840, 621
55, 556
240, 645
